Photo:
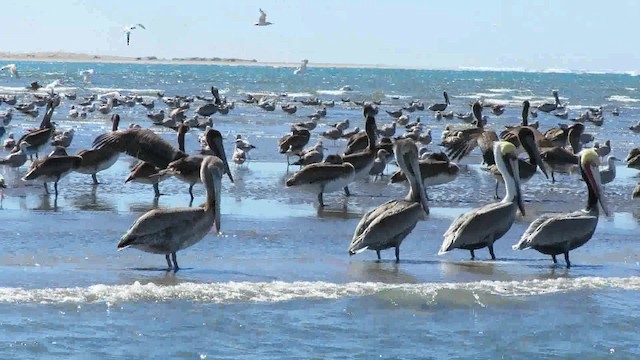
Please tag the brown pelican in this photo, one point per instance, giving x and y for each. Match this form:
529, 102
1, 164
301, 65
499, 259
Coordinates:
558, 158
522, 136
548, 107
461, 143
141, 143
320, 178
38, 138
389, 224
554, 234
633, 159
441, 107
187, 168
481, 227
435, 169
511, 132
166, 231
53, 168
292, 144
145, 173
363, 161
96, 160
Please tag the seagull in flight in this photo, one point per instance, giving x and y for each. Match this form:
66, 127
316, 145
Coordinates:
12, 69
262, 20
127, 30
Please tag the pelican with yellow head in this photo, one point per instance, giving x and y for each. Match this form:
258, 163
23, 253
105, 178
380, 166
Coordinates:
481, 227
555, 234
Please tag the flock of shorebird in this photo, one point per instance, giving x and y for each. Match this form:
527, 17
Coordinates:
166, 231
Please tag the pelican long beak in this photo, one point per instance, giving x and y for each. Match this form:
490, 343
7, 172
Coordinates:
218, 190
593, 176
416, 178
534, 154
214, 140
516, 179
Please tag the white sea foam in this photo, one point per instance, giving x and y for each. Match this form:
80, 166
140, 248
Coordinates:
278, 291
501, 90
623, 98
134, 91
333, 92
299, 94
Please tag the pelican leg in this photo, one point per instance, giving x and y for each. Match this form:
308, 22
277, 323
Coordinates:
175, 262
473, 255
553, 178
55, 187
566, 259
95, 179
320, 200
346, 191
493, 256
378, 253
553, 257
497, 186
397, 254
168, 261
46, 188
191, 191
156, 190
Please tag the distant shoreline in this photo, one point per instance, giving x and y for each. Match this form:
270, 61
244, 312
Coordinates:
60, 56
147, 60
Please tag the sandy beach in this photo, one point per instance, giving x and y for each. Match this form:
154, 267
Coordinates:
59, 56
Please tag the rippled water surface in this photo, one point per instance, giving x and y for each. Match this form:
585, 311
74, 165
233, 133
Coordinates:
278, 282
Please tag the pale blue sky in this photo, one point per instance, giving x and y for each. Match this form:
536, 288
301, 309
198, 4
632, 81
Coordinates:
571, 34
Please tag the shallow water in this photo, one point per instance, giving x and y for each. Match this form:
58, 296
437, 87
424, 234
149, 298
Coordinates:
278, 283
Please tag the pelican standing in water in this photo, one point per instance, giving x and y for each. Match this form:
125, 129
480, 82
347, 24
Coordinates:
554, 234
328, 176
387, 225
481, 227
166, 231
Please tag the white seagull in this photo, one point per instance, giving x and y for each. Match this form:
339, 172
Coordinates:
86, 74
127, 30
262, 20
13, 70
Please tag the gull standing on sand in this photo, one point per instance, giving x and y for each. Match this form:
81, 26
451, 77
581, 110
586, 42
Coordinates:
13, 70
262, 20
128, 29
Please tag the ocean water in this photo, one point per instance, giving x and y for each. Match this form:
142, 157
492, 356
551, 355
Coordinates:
277, 283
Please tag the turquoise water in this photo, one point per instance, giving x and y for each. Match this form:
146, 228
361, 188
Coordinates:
278, 283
